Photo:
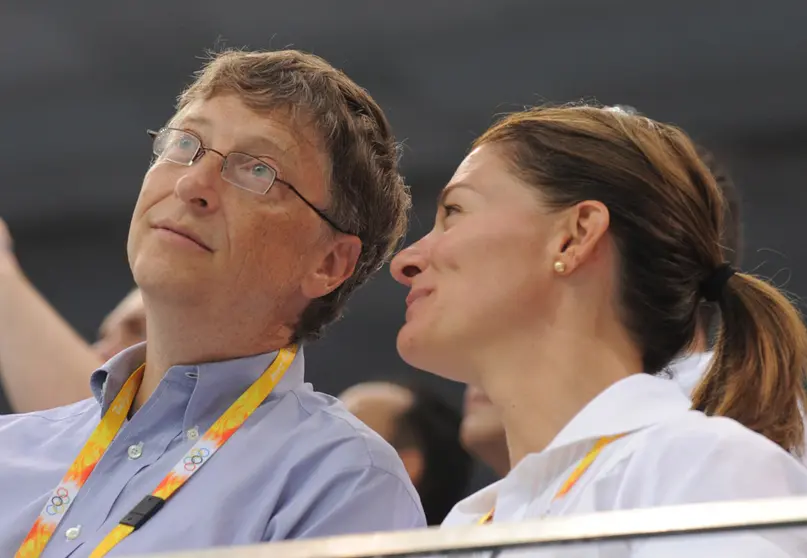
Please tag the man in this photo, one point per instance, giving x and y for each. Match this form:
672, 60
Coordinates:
424, 430
273, 194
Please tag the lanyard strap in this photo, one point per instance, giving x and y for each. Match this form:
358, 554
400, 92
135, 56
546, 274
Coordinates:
572, 479
225, 426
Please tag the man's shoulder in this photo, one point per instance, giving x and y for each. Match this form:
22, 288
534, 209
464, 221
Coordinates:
329, 428
56, 432
87, 408
345, 476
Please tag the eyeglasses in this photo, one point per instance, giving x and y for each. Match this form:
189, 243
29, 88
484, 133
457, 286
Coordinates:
239, 169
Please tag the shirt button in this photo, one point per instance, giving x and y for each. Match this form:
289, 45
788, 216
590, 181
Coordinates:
193, 433
73, 533
135, 451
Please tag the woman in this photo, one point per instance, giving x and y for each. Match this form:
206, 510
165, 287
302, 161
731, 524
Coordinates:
571, 253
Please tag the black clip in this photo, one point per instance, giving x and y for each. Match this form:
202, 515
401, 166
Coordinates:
143, 511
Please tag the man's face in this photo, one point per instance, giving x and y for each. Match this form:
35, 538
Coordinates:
196, 238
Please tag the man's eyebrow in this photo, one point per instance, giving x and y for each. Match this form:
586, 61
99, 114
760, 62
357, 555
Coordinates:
258, 145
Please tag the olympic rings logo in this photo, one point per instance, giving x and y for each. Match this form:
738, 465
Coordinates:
195, 458
59, 501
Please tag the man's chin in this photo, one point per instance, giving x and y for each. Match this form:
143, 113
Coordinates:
172, 286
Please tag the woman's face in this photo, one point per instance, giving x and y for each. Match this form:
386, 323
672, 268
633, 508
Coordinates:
483, 272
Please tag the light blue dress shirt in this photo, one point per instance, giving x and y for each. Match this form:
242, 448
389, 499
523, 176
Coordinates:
301, 466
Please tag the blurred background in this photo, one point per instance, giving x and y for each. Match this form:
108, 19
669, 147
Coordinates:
81, 81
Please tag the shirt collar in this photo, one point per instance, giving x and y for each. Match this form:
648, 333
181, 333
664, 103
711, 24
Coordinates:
631, 404
107, 381
689, 370
214, 385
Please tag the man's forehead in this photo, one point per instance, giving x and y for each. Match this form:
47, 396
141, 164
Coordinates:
274, 132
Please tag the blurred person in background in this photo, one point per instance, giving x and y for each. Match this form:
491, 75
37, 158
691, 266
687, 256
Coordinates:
273, 194
424, 430
44, 362
587, 239
482, 431
33, 335
123, 327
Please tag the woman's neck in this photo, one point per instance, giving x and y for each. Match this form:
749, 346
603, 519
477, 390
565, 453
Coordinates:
540, 387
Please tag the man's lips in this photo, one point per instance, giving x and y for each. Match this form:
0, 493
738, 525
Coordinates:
184, 232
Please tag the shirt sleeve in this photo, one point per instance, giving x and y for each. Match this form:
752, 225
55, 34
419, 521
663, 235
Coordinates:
723, 464
356, 500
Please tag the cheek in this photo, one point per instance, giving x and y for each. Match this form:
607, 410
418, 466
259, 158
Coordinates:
489, 267
486, 280
157, 184
156, 188
149, 196
266, 249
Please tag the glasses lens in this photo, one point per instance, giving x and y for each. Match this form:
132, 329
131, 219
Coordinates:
176, 146
249, 173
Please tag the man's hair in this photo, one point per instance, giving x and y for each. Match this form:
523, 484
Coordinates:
432, 426
368, 195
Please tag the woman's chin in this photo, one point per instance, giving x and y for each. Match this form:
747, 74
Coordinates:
408, 344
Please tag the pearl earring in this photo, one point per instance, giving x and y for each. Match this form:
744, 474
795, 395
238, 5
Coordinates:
560, 267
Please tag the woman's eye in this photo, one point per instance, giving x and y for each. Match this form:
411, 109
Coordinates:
450, 209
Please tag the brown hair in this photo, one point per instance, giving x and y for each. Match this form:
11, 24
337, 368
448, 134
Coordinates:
666, 220
732, 234
368, 194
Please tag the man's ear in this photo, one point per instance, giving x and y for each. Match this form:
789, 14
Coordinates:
335, 267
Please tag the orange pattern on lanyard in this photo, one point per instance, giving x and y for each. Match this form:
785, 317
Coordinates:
101, 438
578, 472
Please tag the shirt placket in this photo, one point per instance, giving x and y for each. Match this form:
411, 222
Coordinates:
139, 444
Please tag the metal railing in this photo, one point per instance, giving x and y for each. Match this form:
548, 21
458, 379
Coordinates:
599, 527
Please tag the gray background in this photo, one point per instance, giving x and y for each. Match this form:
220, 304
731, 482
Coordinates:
80, 81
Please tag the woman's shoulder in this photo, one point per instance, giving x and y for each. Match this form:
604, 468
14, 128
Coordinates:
695, 458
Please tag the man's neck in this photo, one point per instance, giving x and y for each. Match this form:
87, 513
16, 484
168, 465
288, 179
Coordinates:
175, 338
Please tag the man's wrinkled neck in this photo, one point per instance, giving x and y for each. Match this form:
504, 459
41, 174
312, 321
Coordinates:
176, 337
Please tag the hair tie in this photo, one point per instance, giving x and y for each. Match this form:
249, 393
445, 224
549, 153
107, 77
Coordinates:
712, 287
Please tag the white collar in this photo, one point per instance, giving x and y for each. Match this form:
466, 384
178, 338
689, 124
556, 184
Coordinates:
630, 404
689, 370
634, 403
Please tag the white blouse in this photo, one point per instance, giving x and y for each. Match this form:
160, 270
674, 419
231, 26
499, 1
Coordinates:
688, 372
670, 455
